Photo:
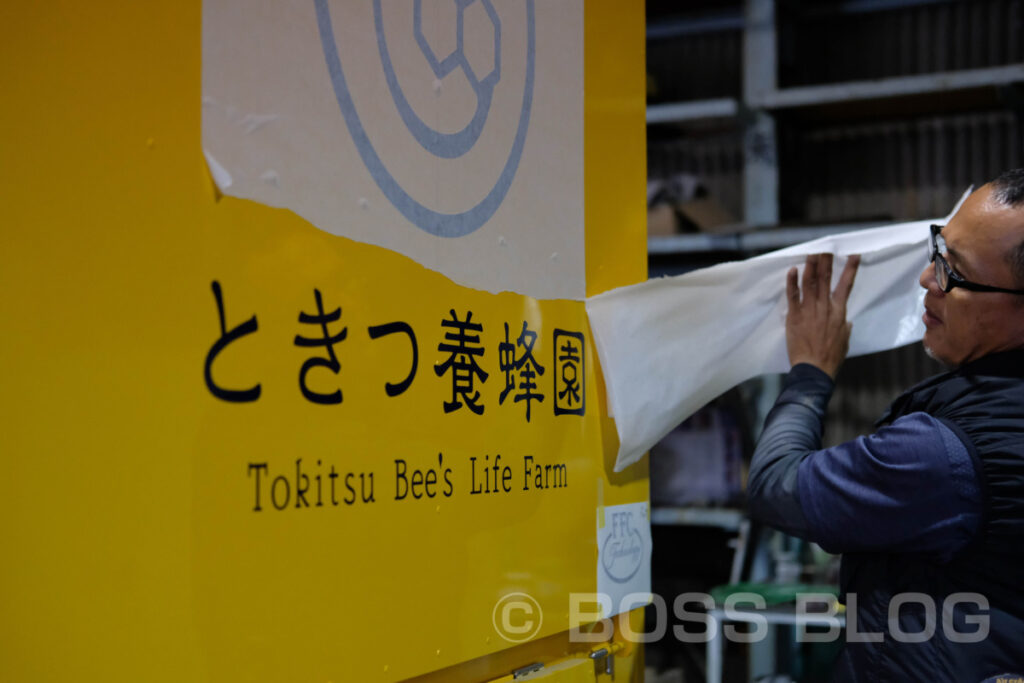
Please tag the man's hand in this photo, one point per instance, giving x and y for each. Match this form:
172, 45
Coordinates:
816, 328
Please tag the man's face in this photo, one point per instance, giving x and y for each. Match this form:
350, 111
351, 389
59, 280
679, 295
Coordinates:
963, 325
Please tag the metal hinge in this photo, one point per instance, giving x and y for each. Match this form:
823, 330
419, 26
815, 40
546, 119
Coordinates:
526, 670
609, 662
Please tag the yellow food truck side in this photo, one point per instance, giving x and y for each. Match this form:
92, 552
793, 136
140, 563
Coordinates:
154, 529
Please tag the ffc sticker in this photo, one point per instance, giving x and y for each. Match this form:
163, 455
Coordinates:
624, 555
623, 550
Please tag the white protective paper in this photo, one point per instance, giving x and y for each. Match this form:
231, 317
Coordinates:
450, 132
669, 346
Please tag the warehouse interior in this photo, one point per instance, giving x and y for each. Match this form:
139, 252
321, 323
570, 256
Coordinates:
803, 119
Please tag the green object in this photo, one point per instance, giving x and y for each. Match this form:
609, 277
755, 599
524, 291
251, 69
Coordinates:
773, 593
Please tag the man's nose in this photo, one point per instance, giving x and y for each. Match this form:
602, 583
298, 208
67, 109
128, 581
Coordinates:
927, 279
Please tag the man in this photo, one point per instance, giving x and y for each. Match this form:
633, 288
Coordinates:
929, 508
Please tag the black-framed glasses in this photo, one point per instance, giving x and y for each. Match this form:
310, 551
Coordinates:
949, 278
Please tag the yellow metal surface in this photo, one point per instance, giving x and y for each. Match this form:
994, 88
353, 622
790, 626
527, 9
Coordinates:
615, 144
133, 546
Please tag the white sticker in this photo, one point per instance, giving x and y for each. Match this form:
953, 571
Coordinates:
624, 555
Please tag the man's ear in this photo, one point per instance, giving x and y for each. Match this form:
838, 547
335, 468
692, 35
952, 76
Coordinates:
1015, 259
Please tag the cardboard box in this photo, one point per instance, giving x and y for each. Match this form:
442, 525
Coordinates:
662, 220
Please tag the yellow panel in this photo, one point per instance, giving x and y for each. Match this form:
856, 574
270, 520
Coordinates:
134, 550
615, 146
615, 151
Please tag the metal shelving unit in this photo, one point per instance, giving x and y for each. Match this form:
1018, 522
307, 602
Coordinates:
747, 242
728, 519
754, 112
833, 115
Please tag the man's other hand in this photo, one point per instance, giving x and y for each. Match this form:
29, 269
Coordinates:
817, 331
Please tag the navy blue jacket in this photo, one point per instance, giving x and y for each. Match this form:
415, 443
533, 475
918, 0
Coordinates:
930, 508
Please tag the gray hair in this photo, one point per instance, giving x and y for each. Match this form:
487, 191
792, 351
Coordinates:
1008, 189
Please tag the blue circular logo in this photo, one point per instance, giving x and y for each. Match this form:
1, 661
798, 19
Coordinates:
442, 145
